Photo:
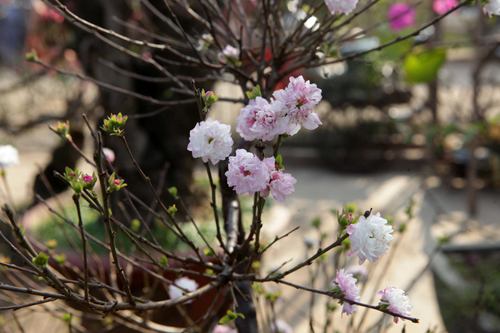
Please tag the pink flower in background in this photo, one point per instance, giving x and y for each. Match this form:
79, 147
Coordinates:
297, 102
396, 301
259, 121
341, 6
442, 6
369, 238
401, 15
347, 285
210, 140
110, 155
229, 52
246, 173
224, 329
185, 283
280, 184
492, 8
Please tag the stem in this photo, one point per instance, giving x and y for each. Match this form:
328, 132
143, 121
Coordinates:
214, 207
110, 232
159, 202
76, 199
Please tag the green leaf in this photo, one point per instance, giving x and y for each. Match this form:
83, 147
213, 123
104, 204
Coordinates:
423, 67
229, 317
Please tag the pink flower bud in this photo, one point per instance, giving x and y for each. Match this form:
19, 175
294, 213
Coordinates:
88, 179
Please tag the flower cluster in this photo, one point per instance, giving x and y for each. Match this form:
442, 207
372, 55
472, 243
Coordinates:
369, 237
289, 110
247, 174
8, 156
79, 181
396, 301
258, 120
181, 286
113, 124
346, 284
210, 140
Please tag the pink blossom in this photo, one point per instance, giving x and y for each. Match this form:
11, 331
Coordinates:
90, 179
230, 52
347, 284
369, 238
280, 184
224, 329
259, 121
210, 140
116, 182
246, 173
341, 6
396, 301
110, 155
401, 15
297, 102
442, 6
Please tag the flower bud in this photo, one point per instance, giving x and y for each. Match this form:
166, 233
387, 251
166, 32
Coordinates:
63, 129
113, 124
41, 260
254, 93
209, 97
115, 184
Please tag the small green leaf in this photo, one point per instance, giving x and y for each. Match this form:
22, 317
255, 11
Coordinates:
41, 260
173, 192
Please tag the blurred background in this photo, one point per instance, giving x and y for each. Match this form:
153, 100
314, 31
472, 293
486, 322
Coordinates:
416, 122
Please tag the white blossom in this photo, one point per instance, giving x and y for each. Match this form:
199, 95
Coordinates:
184, 283
492, 8
8, 156
210, 140
369, 238
341, 6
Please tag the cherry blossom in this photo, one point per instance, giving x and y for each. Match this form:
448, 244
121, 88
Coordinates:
258, 120
297, 101
280, 184
341, 6
442, 6
347, 284
229, 53
185, 283
210, 140
369, 238
492, 8
246, 173
8, 156
396, 301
